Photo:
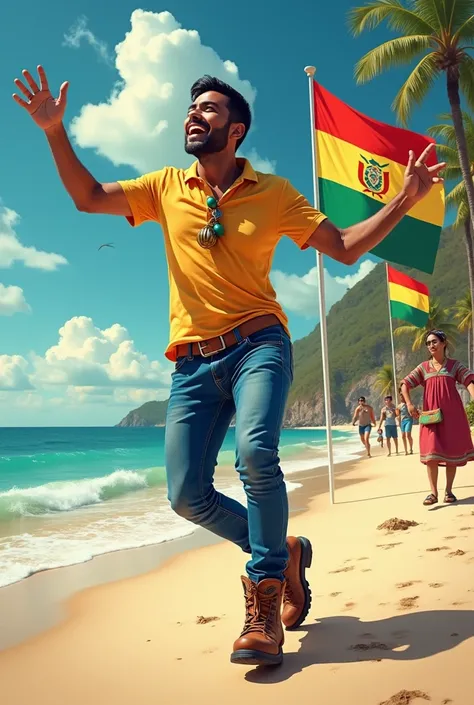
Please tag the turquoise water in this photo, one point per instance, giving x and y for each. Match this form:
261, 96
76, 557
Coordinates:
67, 494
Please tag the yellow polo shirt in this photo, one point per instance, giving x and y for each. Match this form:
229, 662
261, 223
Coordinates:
215, 290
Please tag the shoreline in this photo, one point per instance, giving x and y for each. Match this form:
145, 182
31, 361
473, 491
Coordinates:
21, 560
54, 586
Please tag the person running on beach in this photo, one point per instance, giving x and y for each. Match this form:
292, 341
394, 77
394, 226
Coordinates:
364, 414
229, 338
389, 415
445, 435
406, 424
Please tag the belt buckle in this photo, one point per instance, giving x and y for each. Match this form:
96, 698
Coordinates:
202, 345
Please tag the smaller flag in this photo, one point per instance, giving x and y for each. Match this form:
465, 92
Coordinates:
409, 298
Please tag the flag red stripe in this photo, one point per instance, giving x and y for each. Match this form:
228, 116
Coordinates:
339, 119
396, 277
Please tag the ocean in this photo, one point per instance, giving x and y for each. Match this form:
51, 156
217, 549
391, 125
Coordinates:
69, 494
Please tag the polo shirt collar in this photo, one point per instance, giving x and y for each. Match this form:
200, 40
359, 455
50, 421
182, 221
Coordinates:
248, 173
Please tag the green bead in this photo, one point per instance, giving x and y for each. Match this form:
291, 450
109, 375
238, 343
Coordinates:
218, 229
211, 202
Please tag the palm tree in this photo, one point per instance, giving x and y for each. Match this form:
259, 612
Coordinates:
457, 197
384, 381
463, 313
438, 319
438, 32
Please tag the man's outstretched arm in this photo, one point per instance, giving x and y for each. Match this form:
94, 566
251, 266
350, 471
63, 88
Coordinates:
88, 194
348, 244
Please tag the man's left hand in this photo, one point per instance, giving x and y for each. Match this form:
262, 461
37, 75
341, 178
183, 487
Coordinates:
419, 178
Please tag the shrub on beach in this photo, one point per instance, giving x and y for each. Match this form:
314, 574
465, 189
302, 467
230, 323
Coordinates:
470, 413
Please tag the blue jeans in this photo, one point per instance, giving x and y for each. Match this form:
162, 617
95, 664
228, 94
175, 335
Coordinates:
251, 380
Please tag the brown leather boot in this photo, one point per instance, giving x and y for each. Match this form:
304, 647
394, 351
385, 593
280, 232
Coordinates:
262, 636
297, 595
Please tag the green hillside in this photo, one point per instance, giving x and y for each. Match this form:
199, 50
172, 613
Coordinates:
358, 328
359, 342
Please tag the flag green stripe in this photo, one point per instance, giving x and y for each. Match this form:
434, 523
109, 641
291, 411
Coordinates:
408, 313
412, 242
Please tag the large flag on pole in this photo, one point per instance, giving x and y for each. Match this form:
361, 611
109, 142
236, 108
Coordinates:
409, 298
361, 163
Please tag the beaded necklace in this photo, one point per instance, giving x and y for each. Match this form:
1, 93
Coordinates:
209, 234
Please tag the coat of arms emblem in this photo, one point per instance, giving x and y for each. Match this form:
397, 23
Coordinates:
372, 176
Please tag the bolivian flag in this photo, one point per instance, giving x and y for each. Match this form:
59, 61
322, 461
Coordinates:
409, 298
361, 163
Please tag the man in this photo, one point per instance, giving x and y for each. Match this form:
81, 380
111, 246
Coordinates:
389, 415
364, 413
221, 222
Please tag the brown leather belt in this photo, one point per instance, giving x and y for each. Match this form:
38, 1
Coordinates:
206, 348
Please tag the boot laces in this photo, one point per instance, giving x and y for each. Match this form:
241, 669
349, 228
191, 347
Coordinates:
260, 611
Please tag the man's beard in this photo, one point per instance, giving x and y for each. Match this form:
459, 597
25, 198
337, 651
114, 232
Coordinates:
212, 143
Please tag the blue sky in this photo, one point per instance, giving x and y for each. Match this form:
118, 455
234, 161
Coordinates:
112, 305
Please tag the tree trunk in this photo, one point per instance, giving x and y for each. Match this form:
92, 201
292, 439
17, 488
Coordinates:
470, 269
455, 103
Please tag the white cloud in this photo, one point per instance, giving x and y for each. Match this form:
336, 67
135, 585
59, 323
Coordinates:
13, 373
12, 300
141, 122
300, 295
88, 357
11, 249
80, 32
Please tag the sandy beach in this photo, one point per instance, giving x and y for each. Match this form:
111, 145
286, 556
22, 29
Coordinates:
392, 612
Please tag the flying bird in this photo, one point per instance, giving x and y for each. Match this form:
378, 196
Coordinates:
106, 244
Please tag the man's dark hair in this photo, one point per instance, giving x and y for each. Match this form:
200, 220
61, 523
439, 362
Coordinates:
239, 109
389, 396
361, 398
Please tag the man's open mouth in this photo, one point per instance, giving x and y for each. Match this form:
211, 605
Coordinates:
196, 128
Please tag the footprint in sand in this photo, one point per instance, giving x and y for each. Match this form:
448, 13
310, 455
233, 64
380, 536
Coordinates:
367, 570
206, 620
436, 585
401, 634
343, 570
387, 546
466, 528
334, 594
349, 606
409, 583
438, 548
408, 603
404, 697
456, 553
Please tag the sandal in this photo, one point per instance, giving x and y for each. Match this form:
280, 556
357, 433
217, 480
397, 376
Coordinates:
431, 499
449, 498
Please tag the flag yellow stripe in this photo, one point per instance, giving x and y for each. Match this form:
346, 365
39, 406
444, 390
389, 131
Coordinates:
339, 161
409, 297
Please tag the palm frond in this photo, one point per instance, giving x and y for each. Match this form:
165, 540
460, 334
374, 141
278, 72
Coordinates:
384, 380
463, 214
415, 87
399, 18
462, 311
466, 79
457, 195
395, 52
452, 173
445, 132
466, 31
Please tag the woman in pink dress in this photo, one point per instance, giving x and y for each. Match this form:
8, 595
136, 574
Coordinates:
449, 442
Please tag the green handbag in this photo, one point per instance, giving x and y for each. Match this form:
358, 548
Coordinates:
429, 417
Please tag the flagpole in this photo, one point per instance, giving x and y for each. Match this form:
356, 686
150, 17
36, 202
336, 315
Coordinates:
395, 389
310, 71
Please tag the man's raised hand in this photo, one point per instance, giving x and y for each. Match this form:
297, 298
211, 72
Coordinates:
46, 111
